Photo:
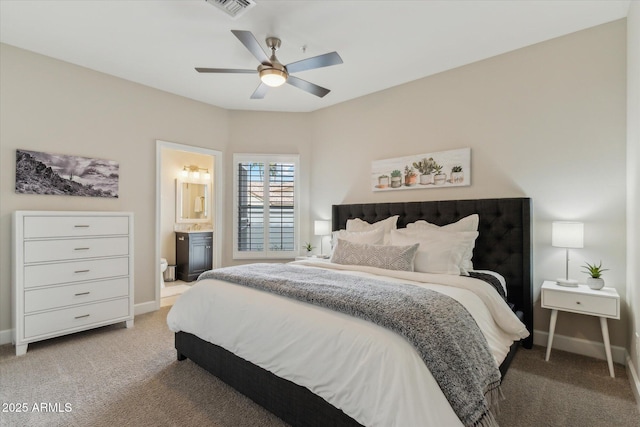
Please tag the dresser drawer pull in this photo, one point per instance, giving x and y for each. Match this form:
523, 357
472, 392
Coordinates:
82, 271
81, 249
82, 293
81, 226
80, 317
578, 302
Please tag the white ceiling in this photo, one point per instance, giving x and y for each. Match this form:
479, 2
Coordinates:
382, 43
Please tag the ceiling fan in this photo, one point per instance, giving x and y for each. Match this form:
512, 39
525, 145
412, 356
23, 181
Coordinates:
273, 73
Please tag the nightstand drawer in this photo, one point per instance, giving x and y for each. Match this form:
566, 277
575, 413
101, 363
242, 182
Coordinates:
586, 304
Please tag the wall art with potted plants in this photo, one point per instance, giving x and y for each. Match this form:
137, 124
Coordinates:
450, 168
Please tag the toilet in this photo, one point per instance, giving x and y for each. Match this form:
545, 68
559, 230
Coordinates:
163, 268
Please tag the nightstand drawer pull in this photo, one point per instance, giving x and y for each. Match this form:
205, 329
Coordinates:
81, 249
81, 226
82, 293
581, 301
82, 271
81, 317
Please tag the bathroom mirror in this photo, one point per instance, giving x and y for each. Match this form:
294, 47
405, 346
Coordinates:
192, 201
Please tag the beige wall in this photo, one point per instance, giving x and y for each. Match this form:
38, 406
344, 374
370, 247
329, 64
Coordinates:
546, 121
49, 105
267, 133
633, 181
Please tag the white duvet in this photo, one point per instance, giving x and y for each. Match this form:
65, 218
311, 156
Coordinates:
369, 372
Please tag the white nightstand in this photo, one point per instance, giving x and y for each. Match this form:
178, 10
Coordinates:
313, 257
603, 303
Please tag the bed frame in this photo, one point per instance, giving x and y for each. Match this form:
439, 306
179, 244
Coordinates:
503, 245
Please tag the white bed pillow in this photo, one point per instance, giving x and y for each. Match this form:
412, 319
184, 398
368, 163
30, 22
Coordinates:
439, 251
379, 256
374, 236
387, 225
468, 223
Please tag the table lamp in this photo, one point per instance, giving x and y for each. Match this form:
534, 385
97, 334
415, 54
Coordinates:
568, 235
322, 228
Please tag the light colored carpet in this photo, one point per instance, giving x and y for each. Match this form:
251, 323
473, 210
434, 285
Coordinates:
173, 290
130, 377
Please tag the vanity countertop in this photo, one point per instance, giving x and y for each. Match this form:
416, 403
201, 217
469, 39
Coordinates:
194, 231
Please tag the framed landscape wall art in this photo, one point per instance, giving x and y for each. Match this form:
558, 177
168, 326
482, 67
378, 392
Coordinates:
46, 173
450, 168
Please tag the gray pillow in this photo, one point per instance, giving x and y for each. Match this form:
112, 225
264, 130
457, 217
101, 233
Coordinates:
380, 256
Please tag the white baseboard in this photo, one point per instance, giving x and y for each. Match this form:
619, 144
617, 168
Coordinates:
634, 380
580, 346
5, 337
145, 307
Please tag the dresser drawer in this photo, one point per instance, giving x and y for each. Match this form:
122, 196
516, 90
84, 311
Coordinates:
75, 317
76, 271
586, 304
68, 249
74, 226
64, 296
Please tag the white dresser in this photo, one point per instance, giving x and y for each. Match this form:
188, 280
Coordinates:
71, 271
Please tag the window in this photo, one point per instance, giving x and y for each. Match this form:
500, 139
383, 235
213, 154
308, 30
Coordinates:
265, 213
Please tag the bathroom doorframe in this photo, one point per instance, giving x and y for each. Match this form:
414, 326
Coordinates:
218, 198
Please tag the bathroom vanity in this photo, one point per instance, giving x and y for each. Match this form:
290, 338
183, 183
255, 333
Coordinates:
194, 254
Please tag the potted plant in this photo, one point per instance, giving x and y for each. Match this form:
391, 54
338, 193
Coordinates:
383, 181
439, 178
308, 247
425, 167
595, 281
410, 176
456, 175
396, 179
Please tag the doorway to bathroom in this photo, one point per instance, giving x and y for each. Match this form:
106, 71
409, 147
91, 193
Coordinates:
188, 209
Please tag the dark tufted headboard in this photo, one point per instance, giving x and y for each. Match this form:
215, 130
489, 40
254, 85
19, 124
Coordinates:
503, 244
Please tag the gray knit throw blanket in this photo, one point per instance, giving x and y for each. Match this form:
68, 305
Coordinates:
440, 328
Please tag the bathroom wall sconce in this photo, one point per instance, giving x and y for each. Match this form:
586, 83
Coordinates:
565, 234
195, 172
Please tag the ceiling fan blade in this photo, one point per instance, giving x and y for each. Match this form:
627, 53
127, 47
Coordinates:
307, 86
319, 61
250, 42
224, 70
260, 91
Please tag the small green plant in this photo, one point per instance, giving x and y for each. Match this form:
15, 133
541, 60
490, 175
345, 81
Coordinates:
456, 169
308, 246
408, 171
396, 173
437, 168
425, 166
594, 270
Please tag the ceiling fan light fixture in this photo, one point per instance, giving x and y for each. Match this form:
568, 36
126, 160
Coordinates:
273, 77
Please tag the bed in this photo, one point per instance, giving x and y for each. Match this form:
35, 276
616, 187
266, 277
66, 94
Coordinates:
503, 245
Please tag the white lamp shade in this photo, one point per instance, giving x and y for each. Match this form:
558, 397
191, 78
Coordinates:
322, 228
565, 234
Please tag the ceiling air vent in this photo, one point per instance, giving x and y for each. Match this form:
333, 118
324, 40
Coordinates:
233, 8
